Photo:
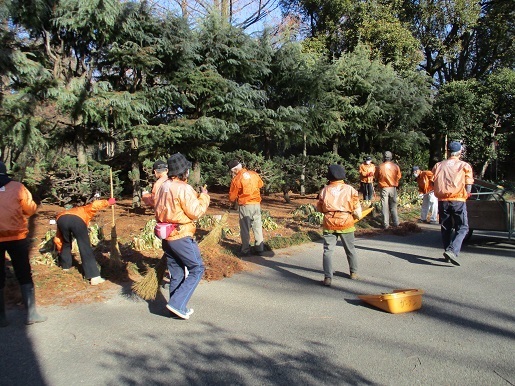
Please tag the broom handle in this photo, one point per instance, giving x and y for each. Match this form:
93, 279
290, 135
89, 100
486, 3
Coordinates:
112, 191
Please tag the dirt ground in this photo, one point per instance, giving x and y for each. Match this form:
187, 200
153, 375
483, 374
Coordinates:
56, 287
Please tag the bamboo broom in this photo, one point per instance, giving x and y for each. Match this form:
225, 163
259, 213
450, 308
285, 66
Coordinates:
148, 287
115, 249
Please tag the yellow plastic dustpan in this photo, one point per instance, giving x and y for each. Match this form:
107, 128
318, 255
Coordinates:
396, 302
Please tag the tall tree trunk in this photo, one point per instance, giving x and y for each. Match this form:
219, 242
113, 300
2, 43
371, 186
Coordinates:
184, 8
303, 173
335, 144
135, 166
492, 153
224, 11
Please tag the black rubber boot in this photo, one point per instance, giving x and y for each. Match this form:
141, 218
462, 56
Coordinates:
27, 292
3, 319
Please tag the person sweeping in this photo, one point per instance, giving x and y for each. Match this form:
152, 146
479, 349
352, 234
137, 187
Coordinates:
17, 207
177, 205
73, 223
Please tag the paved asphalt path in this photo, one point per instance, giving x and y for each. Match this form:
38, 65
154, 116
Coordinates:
277, 324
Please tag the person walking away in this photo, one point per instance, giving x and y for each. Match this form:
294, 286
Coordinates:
17, 207
453, 179
160, 169
73, 223
177, 203
245, 189
388, 175
366, 176
425, 184
340, 205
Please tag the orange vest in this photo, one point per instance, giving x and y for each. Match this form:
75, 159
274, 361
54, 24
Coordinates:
364, 172
17, 206
149, 199
245, 187
425, 182
450, 179
388, 174
338, 202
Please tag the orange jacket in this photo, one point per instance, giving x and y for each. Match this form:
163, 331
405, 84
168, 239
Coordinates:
150, 198
339, 202
425, 182
388, 174
366, 172
245, 187
450, 179
85, 213
178, 203
17, 206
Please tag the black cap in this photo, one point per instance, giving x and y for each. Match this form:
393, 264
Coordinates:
232, 163
335, 173
159, 165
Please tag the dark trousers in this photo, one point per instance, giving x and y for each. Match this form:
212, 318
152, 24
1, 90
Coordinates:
72, 226
367, 188
18, 250
453, 217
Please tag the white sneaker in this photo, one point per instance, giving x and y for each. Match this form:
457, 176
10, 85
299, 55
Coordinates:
97, 280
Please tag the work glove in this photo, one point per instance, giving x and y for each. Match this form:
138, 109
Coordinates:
112, 201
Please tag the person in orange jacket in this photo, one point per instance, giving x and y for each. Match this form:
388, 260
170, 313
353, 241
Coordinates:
178, 204
17, 207
160, 169
425, 184
245, 189
366, 176
73, 223
340, 205
388, 175
453, 179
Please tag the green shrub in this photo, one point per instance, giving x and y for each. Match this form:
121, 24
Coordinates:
278, 242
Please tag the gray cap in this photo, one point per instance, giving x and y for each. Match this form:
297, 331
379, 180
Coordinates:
387, 155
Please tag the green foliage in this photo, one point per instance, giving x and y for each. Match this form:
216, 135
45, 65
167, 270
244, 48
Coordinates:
278, 242
69, 182
146, 239
205, 222
267, 221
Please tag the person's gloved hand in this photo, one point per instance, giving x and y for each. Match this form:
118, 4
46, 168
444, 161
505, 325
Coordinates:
112, 201
204, 189
145, 192
370, 174
469, 194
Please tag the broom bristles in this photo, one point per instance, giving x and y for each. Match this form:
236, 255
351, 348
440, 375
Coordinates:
148, 287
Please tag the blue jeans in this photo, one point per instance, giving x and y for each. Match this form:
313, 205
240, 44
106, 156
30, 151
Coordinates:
183, 253
453, 216
330, 240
